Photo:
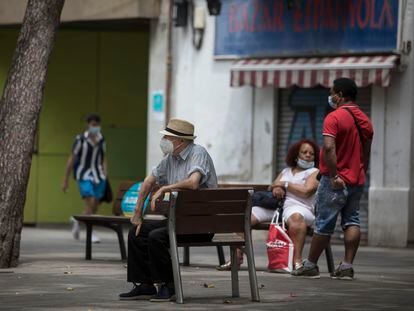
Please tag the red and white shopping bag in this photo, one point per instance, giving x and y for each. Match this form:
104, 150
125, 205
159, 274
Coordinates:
279, 247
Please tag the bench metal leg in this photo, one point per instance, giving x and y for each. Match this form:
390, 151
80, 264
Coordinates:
88, 254
120, 234
234, 273
186, 259
220, 254
251, 266
329, 259
176, 267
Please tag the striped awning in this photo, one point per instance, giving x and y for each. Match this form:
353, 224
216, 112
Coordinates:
310, 72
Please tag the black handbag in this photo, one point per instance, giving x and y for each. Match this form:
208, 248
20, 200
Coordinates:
266, 200
108, 196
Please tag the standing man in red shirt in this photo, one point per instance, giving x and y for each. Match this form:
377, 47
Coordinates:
347, 134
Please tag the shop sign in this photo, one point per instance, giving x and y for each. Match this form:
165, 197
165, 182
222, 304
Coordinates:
265, 28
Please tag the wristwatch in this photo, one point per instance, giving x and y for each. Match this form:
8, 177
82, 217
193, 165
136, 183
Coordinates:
286, 185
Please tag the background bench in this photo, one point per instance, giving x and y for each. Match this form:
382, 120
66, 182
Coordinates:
215, 211
115, 222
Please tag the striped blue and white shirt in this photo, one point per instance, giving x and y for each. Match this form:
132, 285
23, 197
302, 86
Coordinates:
89, 158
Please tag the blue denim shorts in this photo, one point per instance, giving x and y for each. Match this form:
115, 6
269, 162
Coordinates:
332, 202
88, 189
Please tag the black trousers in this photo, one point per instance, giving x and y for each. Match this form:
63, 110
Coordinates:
149, 259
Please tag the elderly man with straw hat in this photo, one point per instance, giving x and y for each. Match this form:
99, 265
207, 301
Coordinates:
186, 165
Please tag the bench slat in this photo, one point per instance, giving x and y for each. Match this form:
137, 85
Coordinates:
210, 224
211, 208
212, 243
262, 226
255, 187
207, 195
101, 219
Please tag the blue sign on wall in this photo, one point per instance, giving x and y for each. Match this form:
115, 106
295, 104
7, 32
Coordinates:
319, 27
130, 198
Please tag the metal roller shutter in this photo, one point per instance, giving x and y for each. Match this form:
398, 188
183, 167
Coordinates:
301, 113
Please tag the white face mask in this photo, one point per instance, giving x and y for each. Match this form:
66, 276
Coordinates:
166, 146
305, 164
331, 103
95, 130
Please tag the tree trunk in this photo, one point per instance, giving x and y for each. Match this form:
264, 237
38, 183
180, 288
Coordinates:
19, 113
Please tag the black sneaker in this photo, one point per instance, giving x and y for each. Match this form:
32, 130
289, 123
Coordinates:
139, 292
343, 274
164, 294
312, 273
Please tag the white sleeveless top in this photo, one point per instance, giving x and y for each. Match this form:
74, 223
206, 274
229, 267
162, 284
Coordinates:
300, 179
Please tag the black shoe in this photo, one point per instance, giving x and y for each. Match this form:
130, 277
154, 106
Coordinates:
139, 292
343, 274
164, 294
312, 273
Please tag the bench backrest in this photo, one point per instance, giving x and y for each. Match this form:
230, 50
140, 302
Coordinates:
211, 211
255, 187
125, 185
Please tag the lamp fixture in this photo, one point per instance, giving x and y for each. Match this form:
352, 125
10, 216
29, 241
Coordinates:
180, 13
214, 7
293, 4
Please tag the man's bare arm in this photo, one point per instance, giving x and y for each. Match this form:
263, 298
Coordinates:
329, 154
191, 183
68, 169
105, 167
146, 187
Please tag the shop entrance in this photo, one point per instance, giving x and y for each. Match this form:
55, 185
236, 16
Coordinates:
92, 69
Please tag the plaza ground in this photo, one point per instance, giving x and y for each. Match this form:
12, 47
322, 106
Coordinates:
53, 275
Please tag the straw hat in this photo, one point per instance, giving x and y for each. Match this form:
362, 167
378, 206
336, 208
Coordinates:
179, 128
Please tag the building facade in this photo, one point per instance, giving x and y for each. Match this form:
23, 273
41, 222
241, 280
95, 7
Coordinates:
99, 64
239, 77
249, 102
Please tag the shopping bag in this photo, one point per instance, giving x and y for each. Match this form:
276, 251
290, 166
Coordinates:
280, 247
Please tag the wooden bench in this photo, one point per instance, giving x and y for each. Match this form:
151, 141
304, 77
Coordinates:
220, 252
265, 225
118, 221
115, 222
218, 211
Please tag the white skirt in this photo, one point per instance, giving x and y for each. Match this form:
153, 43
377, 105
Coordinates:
306, 213
265, 215
262, 214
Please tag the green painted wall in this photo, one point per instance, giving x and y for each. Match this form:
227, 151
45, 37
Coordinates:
89, 71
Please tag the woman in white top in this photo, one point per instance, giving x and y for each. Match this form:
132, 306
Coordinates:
298, 184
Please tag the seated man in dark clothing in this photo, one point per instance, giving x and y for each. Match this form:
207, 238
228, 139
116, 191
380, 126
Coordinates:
185, 166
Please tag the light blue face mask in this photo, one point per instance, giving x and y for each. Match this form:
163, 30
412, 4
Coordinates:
95, 130
305, 164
